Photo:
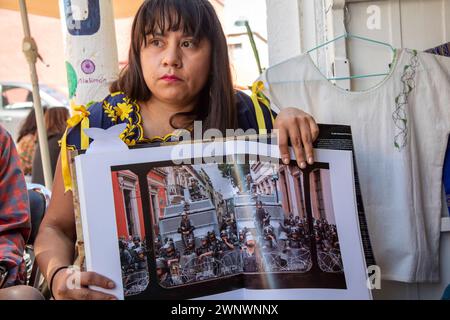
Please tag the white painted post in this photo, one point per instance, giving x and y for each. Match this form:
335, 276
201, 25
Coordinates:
295, 26
90, 48
337, 54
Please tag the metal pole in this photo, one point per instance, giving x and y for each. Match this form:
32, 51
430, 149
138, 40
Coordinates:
308, 206
255, 50
30, 51
276, 191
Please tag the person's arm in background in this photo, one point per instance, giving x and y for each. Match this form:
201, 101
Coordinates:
15, 223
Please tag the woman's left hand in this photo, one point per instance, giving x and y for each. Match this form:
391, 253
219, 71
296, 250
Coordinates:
301, 129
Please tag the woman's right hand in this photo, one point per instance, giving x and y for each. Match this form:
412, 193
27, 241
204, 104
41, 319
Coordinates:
64, 288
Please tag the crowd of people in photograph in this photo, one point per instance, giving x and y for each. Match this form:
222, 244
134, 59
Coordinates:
291, 249
264, 248
260, 249
133, 254
213, 256
133, 259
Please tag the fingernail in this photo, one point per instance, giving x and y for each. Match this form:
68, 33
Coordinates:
310, 160
303, 165
286, 160
111, 285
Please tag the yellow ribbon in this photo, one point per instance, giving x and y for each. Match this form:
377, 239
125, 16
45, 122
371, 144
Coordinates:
258, 96
81, 115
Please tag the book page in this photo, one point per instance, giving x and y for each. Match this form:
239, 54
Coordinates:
175, 226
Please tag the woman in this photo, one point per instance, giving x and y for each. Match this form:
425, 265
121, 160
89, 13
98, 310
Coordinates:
26, 142
55, 123
178, 72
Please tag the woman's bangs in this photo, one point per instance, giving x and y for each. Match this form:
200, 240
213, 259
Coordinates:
174, 15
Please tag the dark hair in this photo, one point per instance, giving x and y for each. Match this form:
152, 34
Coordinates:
56, 120
216, 105
29, 126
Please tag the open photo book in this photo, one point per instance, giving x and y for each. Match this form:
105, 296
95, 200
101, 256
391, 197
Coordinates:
225, 219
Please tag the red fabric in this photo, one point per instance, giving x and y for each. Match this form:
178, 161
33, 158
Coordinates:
14, 211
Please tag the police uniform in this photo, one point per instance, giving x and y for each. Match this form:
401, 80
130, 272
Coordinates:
186, 226
260, 214
204, 248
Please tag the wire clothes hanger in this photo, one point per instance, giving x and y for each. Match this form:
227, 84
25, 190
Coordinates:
352, 36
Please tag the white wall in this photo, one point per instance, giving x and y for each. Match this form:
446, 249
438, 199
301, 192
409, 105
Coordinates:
283, 29
413, 24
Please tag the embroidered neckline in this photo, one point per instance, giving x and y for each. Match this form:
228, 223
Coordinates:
127, 110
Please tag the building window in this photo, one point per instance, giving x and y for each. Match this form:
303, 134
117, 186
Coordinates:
319, 193
129, 211
234, 46
300, 195
284, 190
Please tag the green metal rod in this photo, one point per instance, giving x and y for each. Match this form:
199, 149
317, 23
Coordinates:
255, 50
360, 77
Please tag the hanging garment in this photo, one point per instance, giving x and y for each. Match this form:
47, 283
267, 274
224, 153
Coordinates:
444, 50
400, 129
446, 176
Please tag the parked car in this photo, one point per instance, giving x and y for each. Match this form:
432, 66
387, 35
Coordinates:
17, 101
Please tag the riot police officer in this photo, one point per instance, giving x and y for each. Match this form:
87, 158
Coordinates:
226, 244
204, 249
294, 240
190, 248
186, 228
162, 271
260, 214
169, 253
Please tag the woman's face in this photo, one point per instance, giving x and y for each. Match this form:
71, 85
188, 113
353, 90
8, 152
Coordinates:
175, 66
